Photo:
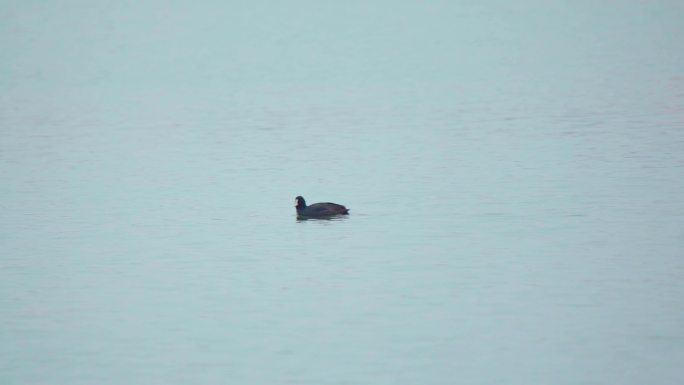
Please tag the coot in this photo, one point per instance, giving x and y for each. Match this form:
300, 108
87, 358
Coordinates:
318, 210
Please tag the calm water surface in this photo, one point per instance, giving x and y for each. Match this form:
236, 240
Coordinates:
514, 174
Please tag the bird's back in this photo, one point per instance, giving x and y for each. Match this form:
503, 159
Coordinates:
326, 208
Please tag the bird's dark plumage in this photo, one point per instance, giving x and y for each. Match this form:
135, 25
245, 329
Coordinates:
318, 210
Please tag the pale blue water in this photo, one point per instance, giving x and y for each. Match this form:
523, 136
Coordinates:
514, 173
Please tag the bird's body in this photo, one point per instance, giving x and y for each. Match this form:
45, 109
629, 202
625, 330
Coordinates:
319, 210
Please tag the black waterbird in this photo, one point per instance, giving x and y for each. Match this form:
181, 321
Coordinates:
318, 210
